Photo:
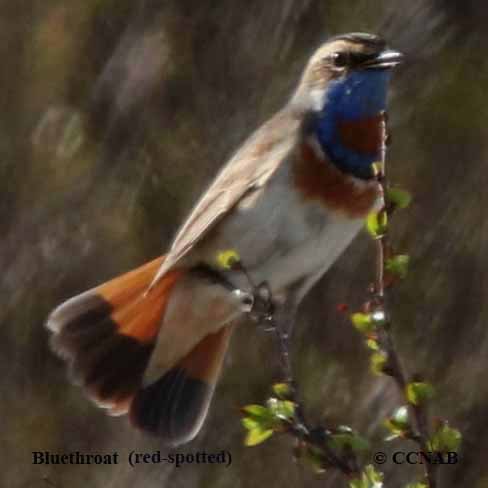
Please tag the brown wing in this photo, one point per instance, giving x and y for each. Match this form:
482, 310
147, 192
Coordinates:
249, 168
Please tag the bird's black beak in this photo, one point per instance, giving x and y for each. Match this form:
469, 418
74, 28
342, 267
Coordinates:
385, 59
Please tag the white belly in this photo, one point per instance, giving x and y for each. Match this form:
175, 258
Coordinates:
281, 239
317, 254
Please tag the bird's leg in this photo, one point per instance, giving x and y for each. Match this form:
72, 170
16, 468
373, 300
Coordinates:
265, 312
283, 321
276, 316
258, 302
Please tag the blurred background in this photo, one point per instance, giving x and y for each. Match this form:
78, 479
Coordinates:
116, 114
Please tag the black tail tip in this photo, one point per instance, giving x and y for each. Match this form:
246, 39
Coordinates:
109, 365
173, 408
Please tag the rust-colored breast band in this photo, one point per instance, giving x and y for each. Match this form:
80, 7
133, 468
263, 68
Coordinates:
317, 179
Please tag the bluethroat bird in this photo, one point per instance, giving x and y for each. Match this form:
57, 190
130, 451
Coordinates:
151, 342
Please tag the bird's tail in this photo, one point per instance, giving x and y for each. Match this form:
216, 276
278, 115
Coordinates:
108, 334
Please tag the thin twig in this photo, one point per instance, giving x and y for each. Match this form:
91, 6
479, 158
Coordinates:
420, 432
317, 437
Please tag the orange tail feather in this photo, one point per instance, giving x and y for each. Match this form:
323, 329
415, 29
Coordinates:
107, 334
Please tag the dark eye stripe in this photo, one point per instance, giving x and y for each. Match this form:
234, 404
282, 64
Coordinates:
351, 59
360, 58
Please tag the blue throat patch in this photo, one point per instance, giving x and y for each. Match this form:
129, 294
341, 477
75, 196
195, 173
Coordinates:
358, 96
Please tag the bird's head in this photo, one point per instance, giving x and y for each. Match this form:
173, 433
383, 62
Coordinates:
343, 91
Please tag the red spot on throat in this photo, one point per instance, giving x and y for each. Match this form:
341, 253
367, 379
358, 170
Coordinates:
363, 136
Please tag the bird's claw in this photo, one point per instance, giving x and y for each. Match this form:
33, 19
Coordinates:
262, 309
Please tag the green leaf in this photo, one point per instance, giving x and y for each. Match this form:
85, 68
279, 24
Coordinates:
445, 439
373, 344
282, 390
419, 392
256, 436
227, 258
370, 478
378, 362
261, 421
376, 224
249, 423
259, 416
346, 438
398, 265
400, 198
374, 476
363, 322
377, 168
256, 411
398, 424
282, 409
395, 433
416, 485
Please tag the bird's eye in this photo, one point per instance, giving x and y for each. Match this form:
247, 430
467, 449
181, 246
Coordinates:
340, 60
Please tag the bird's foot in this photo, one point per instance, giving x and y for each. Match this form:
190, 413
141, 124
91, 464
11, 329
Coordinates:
263, 307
